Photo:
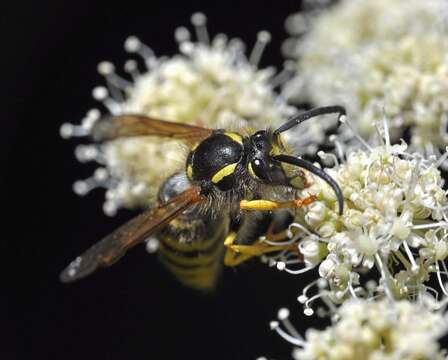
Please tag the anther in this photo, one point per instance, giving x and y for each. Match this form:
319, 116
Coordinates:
283, 314
281, 265
152, 245
86, 153
110, 208
132, 44
181, 34
105, 68
308, 312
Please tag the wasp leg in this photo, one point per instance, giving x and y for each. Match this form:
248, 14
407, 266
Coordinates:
237, 254
271, 236
266, 205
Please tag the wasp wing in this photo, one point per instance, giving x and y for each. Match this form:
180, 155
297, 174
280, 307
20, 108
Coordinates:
129, 125
112, 247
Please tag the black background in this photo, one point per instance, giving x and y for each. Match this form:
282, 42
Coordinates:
134, 310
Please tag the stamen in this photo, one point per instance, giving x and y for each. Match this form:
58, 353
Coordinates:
282, 267
366, 177
386, 132
68, 130
351, 290
110, 207
85, 153
384, 278
277, 243
283, 316
276, 327
131, 68
100, 93
304, 297
328, 156
433, 291
400, 257
430, 226
300, 227
296, 261
339, 147
284, 75
99, 179
308, 311
199, 21
263, 38
330, 305
134, 45
236, 48
414, 267
220, 42
343, 119
383, 133
115, 83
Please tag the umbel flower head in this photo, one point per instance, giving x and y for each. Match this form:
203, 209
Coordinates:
394, 227
210, 83
374, 330
378, 57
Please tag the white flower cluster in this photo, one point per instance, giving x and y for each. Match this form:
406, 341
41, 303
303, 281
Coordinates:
210, 83
371, 330
383, 57
378, 261
395, 221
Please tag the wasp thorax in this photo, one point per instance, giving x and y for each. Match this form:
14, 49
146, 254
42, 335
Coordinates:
215, 159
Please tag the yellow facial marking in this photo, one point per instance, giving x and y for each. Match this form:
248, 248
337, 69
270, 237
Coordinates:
225, 171
251, 171
235, 137
276, 150
190, 172
193, 148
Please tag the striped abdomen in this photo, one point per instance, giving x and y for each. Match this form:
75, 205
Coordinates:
192, 250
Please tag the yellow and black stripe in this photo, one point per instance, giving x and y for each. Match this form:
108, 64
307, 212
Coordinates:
192, 250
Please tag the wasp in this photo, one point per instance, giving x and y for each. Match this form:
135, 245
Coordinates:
208, 207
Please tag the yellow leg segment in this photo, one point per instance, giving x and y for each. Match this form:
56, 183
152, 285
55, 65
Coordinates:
267, 205
236, 254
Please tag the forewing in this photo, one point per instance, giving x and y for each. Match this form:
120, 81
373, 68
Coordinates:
114, 246
129, 125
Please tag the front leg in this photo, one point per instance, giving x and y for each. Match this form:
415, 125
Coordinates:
268, 205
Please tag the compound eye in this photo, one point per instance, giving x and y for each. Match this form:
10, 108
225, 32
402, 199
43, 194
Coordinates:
259, 169
259, 139
268, 172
